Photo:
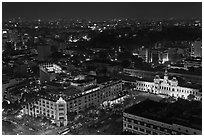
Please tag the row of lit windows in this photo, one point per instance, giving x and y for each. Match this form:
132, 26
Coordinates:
42, 112
45, 102
167, 88
92, 97
140, 129
152, 126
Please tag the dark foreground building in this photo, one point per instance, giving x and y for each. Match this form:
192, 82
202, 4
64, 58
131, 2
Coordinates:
156, 118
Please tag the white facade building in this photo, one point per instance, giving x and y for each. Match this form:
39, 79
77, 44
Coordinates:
167, 87
56, 105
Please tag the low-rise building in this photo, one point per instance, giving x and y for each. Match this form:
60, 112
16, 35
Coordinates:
156, 118
49, 72
168, 87
56, 104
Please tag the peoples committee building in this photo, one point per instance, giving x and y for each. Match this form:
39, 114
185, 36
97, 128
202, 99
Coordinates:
165, 86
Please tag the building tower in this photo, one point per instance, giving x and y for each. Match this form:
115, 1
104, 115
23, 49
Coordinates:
44, 52
61, 112
166, 76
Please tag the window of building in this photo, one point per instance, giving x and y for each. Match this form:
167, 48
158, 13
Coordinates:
61, 113
168, 131
161, 129
154, 127
142, 123
136, 128
129, 120
61, 109
61, 118
148, 132
61, 105
154, 133
135, 122
148, 125
142, 130
129, 126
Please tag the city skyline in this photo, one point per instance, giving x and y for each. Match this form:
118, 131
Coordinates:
102, 68
101, 10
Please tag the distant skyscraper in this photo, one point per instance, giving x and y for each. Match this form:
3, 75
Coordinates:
196, 48
143, 53
155, 56
44, 52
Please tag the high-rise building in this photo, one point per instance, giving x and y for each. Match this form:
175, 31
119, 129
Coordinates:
44, 52
196, 48
144, 54
155, 56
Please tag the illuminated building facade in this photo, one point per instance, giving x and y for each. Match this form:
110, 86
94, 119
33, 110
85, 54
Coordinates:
56, 104
144, 54
48, 72
167, 87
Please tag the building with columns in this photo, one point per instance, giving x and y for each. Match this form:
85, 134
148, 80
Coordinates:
168, 87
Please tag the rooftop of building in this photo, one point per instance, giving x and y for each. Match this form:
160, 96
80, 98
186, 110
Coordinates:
194, 60
182, 112
102, 79
85, 79
106, 79
133, 79
190, 85
108, 62
69, 93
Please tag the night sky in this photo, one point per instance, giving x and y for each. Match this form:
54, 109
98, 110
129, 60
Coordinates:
100, 11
